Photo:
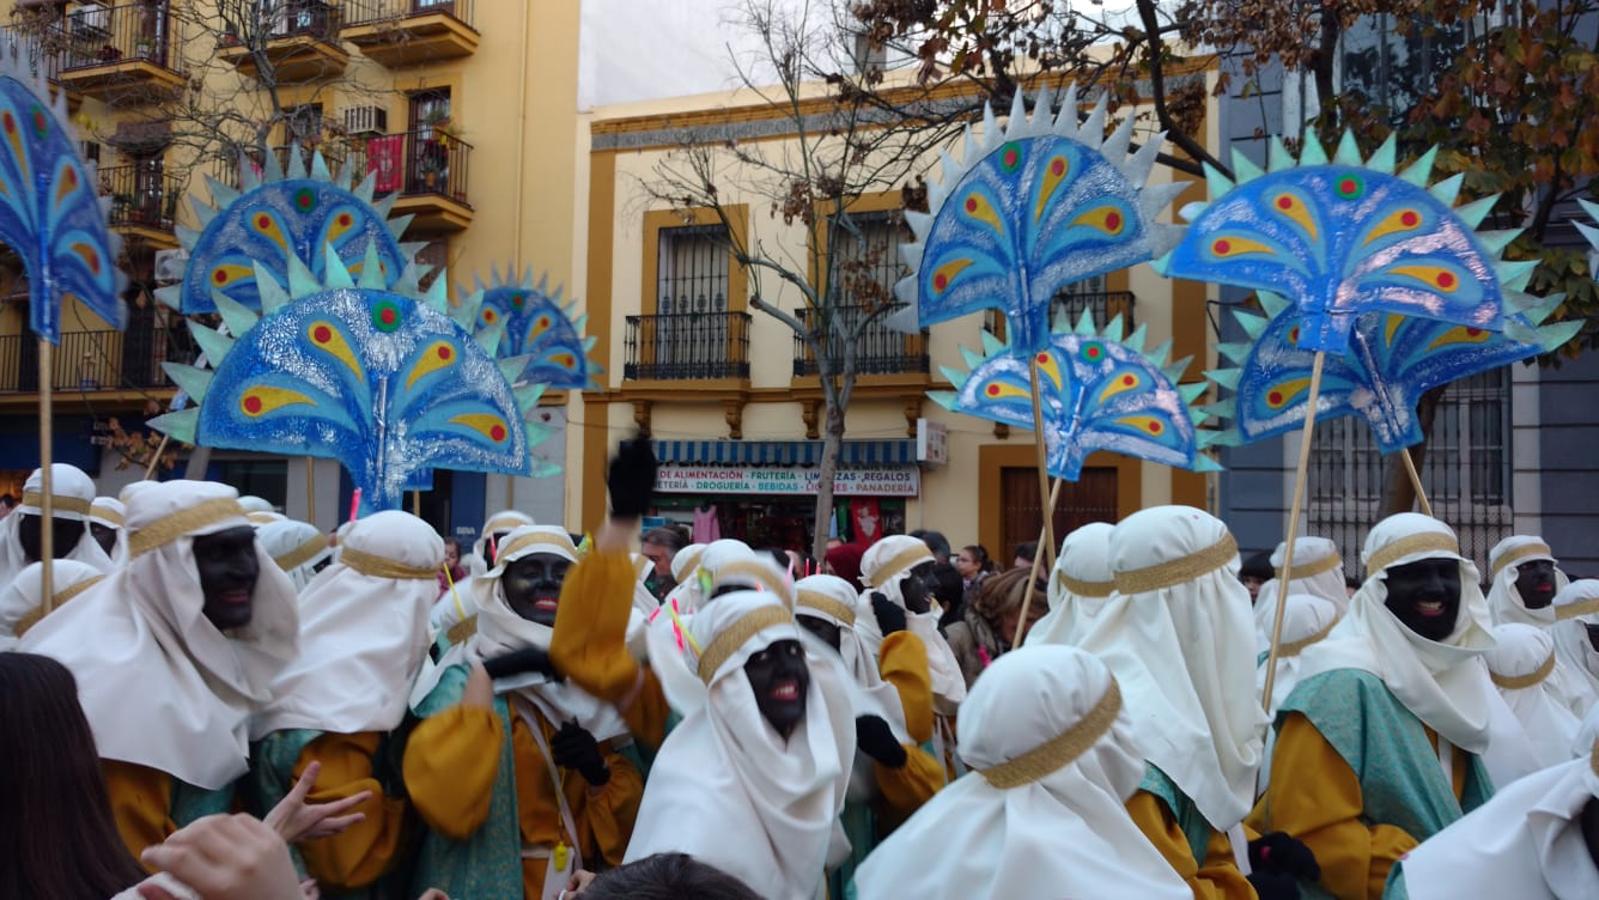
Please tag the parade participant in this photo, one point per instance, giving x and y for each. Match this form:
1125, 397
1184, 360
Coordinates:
106, 516
298, 548
1318, 571
753, 780
989, 622
1378, 747
1523, 581
1178, 638
892, 776
174, 652
661, 546
1576, 634
20, 537
363, 637
253, 504
1306, 622
1520, 666
520, 780
21, 603
494, 530
1079, 586
1537, 839
1053, 756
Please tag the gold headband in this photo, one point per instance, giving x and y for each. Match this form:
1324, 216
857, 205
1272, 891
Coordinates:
462, 630
827, 605
755, 572
166, 530
1593, 758
1426, 542
905, 559
506, 524
536, 539
1087, 588
1517, 682
57, 600
1061, 749
302, 554
1311, 570
382, 567
58, 502
1580, 608
1294, 648
106, 513
692, 562
1511, 557
1178, 571
262, 517
728, 642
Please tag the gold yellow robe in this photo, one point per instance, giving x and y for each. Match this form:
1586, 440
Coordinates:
1216, 877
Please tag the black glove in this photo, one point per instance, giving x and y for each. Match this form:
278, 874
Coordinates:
1274, 886
1279, 853
873, 736
632, 478
529, 659
890, 618
575, 748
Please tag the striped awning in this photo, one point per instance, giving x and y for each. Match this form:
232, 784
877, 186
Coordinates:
784, 453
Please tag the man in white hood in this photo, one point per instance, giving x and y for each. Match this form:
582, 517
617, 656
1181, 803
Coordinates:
174, 652
21, 537
106, 517
1524, 582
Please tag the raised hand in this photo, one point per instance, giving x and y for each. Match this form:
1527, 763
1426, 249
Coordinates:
890, 617
631, 478
528, 659
877, 740
295, 820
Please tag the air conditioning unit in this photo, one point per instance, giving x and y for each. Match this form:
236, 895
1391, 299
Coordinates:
169, 265
366, 121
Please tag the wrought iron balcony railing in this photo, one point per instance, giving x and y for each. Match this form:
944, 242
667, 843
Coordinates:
879, 350
688, 346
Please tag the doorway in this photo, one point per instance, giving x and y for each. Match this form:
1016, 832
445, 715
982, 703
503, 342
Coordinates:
1092, 498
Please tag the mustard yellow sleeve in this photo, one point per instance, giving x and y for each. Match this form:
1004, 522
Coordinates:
141, 803
1214, 880
611, 809
905, 789
451, 761
1220, 870
361, 853
902, 662
589, 645
647, 712
1315, 797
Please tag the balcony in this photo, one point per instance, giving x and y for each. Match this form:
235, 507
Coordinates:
879, 350
688, 347
97, 362
144, 203
302, 44
428, 167
1104, 305
121, 54
33, 51
399, 33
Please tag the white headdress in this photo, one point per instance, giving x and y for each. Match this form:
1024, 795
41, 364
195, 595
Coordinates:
110, 513
1306, 622
1318, 571
363, 631
883, 567
1078, 588
1178, 638
1521, 665
831, 599
72, 495
506, 520
296, 547
1504, 598
160, 685
1576, 661
21, 602
1041, 814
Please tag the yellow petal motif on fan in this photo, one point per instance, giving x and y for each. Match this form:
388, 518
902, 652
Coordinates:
1147, 424
1395, 222
1049, 366
438, 355
1436, 277
1460, 334
324, 336
1121, 384
944, 274
564, 360
1280, 395
341, 225
486, 424
978, 207
1055, 172
1108, 219
1228, 246
1293, 207
228, 273
261, 399
1390, 327
999, 390
539, 326
266, 224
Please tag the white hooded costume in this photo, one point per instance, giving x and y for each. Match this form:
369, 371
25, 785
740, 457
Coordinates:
1520, 666
1576, 660
72, 498
363, 632
501, 523
109, 512
21, 602
730, 791
1307, 621
160, 685
1078, 588
1505, 602
1042, 813
297, 548
1318, 571
883, 568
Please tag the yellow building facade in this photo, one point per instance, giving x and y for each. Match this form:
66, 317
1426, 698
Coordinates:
725, 391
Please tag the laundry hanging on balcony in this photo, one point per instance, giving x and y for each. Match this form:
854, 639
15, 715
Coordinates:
385, 157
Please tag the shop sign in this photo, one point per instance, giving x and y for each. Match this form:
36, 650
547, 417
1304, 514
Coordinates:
856, 481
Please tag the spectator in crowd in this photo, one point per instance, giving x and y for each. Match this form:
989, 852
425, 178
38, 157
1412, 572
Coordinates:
1255, 572
988, 624
660, 546
452, 562
935, 542
1025, 551
973, 565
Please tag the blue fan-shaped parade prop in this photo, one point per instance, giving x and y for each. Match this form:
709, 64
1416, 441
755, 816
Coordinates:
537, 325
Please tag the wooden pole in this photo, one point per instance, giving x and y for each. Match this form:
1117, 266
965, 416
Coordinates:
47, 501
155, 458
1286, 578
416, 504
1415, 481
310, 490
1038, 557
1047, 545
